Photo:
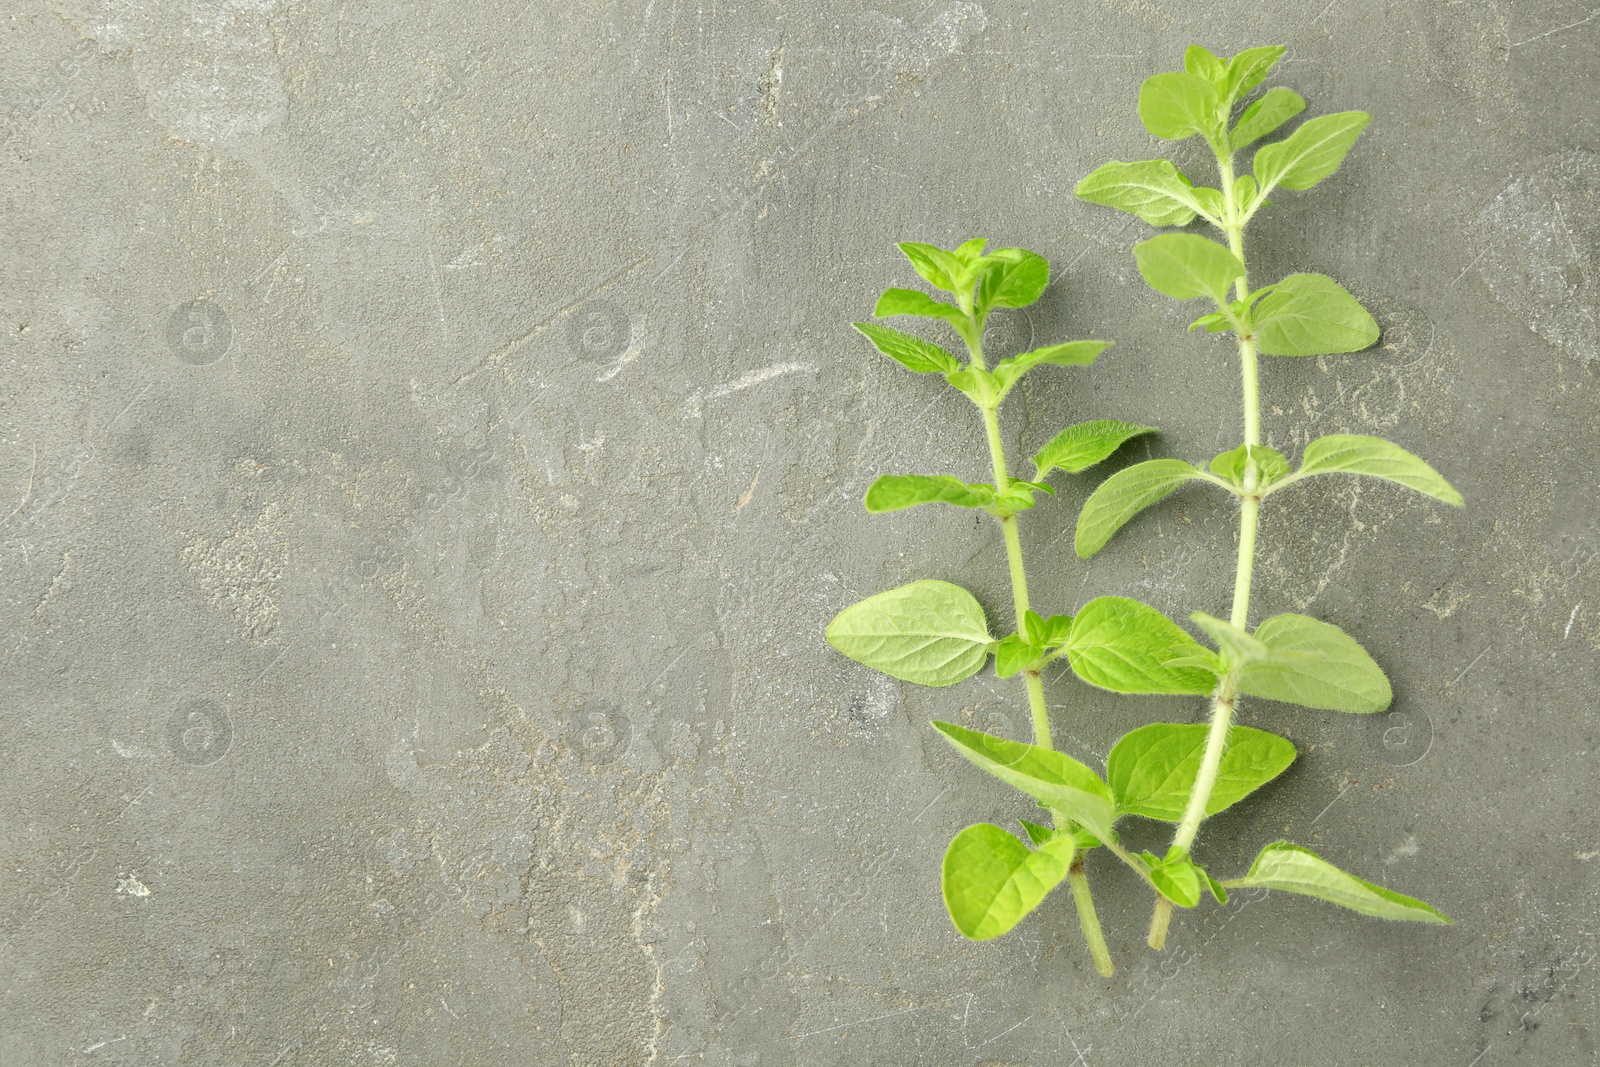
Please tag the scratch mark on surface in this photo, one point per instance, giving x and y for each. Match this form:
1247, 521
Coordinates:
1080, 1055
1331, 5
1342, 791
1590, 17
1469, 666
931, 803
656, 680
1572, 619
750, 492
757, 377
1468, 267
29, 493
622, 361
858, 1022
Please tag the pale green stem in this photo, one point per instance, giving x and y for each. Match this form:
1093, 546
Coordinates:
1039, 709
1249, 514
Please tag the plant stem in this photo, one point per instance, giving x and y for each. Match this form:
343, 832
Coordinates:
1077, 880
1079, 883
1227, 692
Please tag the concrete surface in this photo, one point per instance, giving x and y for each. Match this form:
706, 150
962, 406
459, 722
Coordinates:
436, 442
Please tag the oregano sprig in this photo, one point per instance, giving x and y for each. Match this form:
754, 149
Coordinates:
935, 633
1289, 658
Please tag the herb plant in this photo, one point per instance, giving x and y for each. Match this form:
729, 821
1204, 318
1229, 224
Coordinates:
1290, 658
935, 633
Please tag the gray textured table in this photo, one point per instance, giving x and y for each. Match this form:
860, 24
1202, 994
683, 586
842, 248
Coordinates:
437, 443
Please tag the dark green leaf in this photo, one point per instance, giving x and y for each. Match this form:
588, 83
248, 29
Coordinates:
1249, 69
1311, 153
1152, 770
1122, 496
1014, 654
1377, 458
891, 492
1122, 645
1177, 106
930, 633
1069, 354
991, 880
1294, 869
1186, 265
1012, 278
1053, 778
1316, 665
1312, 315
1084, 445
913, 353
1152, 189
1275, 107
911, 302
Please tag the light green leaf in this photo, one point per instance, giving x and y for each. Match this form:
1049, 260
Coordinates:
1056, 629
1176, 878
1199, 60
1377, 458
911, 302
1316, 665
1084, 445
1275, 107
1038, 834
1238, 646
1214, 322
931, 633
1018, 496
1177, 106
1152, 770
970, 252
978, 384
1245, 193
1271, 465
1289, 867
1012, 278
1122, 496
1186, 265
1033, 627
938, 268
892, 492
913, 353
1069, 354
1312, 315
1152, 189
1311, 153
991, 880
1217, 891
1249, 69
1014, 654
1122, 645
1055, 779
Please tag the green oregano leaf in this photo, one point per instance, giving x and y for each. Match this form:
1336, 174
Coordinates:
1084, 445
1286, 866
939, 268
892, 492
1312, 315
1310, 153
1316, 665
1249, 69
1012, 278
1153, 189
1055, 779
1119, 644
930, 633
1178, 106
913, 353
1238, 646
1014, 654
991, 880
1376, 458
1186, 265
1276, 107
1069, 354
1152, 769
1122, 496
911, 302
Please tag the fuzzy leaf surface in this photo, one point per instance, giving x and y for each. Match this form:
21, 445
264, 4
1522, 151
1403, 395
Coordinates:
1186, 265
1152, 769
1085, 444
1310, 153
1122, 496
1053, 778
1153, 189
1312, 315
1119, 644
991, 880
910, 352
1316, 665
1376, 458
929, 632
1286, 866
